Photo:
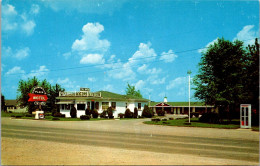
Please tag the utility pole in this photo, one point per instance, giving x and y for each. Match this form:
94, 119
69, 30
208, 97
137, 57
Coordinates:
189, 72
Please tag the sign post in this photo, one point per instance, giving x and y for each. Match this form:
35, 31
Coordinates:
39, 97
245, 115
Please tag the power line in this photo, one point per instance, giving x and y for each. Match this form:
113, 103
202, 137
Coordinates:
113, 63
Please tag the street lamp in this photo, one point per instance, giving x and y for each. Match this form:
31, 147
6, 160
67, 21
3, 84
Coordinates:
189, 72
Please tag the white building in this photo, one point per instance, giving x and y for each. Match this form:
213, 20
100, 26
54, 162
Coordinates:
100, 101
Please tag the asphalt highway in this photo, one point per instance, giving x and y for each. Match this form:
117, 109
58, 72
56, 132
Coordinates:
158, 142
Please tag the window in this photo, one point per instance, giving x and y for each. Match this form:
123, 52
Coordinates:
139, 106
67, 106
62, 106
80, 106
105, 105
125, 105
97, 105
113, 105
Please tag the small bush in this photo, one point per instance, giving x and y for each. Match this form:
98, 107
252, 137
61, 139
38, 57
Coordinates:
55, 118
147, 112
135, 112
128, 113
140, 116
166, 122
110, 112
170, 118
85, 117
103, 114
46, 114
120, 115
88, 112
164, 119
29, 115
73, 112
12, 115
210, 118
94, 113
10, 111
18, 116
160, 112
58, 114
156, 119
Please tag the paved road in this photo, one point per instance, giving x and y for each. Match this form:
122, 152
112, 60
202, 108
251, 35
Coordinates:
242, 145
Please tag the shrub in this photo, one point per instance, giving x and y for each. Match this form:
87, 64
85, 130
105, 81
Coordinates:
196, 114
29, 115
170, 118
18, 116
55, 118
47, 114
88, 112
73, 112
110, 112
94, 113
147, 112
166, 122
103, 114
120, 115
160, 112
210, 118
156, 119
128, 113
58, 114
164, 119
135, 112
85, 117
10, 111
140, 116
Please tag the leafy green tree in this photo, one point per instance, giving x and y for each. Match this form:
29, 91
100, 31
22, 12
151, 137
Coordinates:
147, 112
130, 90
3, 108
224, 70
25, 87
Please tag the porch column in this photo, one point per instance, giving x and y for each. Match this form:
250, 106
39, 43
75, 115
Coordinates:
178, 110
175, 112
171, 110
193, 109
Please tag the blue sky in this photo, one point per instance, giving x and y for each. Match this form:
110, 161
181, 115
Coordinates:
104, 45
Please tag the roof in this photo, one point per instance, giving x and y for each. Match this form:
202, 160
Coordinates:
183, 104
11, 103
107, 96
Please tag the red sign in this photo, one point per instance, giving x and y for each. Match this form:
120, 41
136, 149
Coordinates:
36, 97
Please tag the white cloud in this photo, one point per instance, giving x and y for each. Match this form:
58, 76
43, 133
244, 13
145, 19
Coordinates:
139, 85
247, 35
210, 43
121, 71
28, 27
143, 54
8, 17
15, 70
35, 9
156, 80
40, 73
109, 88
22, 53
145, 70
177, 83
92, 59
13, 21
90, 39
18, 54
68, 84
95, 7
91, 79
67, 55
168, 57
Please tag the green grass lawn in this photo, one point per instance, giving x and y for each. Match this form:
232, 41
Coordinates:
194, 123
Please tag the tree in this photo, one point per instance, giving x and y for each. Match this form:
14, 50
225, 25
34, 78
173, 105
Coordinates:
147, 112
224, 67
25, 87
135, 112
3, 108
130, 90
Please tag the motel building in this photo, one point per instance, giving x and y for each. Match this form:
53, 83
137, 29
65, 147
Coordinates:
100, 101
181, 107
